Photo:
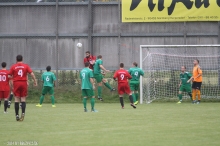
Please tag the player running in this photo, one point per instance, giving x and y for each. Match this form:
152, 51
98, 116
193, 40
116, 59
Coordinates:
184, 85
87, 86
122, 76
135, 72
19, 73
99, 76
49, 83
4, 86
91, 59
197, 81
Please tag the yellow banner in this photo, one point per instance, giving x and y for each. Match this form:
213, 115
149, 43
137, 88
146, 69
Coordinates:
170, 10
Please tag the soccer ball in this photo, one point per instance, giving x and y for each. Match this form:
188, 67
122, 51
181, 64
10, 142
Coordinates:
79, 45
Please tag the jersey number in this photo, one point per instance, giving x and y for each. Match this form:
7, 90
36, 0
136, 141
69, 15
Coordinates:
136, 74
2, 78
20, 72
83, 75
47, 79
122, 76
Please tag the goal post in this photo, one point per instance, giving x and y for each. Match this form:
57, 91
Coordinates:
162, 63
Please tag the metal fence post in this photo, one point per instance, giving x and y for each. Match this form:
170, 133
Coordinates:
219, 53
57, 48
119, 30
90, 45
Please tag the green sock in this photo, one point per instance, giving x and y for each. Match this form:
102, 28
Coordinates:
52, 99
92, 100
137, 96
134, 97
107, 85
180, 96
84, 102
41, 99
100, 91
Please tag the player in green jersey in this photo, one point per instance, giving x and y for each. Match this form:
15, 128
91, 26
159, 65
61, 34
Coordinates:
135, 72
184, 85
87, 86
48, 79
98, 75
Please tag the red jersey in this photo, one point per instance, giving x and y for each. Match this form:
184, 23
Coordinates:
4, 80
122, 76
90, 59
19, 71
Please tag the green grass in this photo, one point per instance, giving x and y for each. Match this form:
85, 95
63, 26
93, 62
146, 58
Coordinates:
156, 124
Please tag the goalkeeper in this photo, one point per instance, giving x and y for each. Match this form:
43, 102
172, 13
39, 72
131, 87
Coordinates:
184, 85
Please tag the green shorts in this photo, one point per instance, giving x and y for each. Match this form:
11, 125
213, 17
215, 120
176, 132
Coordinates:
47, 89
98, 77
134, 86
87, 93
185, 88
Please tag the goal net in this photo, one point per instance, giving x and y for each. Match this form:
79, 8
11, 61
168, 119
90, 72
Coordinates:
162, 64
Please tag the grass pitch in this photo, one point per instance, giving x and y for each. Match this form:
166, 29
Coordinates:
156, 124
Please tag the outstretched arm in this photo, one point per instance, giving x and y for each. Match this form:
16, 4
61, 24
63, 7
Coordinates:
103, 68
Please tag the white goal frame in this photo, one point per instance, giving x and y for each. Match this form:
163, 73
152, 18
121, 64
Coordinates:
163, 46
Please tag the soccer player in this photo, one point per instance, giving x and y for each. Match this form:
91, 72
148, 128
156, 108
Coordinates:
91, 59
122, 76
184, 86
49, 83
19, 73
135, 72
87, 86
4, 86
98, 75
197, 81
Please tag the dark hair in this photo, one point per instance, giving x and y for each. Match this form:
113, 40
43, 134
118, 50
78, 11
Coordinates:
88, 52
87, 64
4, 64
19, 58
184, 66
48, 68
100, 56
197, 60
121, 65
135, 64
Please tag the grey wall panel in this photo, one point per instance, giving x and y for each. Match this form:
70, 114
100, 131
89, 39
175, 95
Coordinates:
201, 27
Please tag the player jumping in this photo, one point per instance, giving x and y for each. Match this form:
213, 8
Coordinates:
87, 86
99, 76
122, 76
91, 59
184, 85
48, 79
135, 72
19, 73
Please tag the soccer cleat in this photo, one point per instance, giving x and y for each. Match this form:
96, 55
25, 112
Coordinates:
123, 107
198, 102
53, 105
9, 104
85, 110
136, 103
100, 98
5, 112
94, 110
179, 102
39, 105
194, 102
17, 118
22, 118
113, 89
133, 105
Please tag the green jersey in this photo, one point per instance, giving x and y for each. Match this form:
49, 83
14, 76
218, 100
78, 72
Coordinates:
184, 77
85, 76
136, 72
97, 69
48, 78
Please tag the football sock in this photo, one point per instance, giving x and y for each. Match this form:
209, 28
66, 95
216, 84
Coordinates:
137, 96
84, 102
121, 101
194, 94
199, 95
92, 100
190, 95
131, 99
52, 99
134, 97
107, 85
6, 105
41, 99
23, 107
10, 98
180, 96
100, 91
0, 102
16, 108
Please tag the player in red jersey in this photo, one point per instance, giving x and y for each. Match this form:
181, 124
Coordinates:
122, 76
19, 73
4, 85
91, 59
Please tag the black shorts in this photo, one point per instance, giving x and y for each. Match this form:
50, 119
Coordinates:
197, 85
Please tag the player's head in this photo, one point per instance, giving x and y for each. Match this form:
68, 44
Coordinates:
135, 64
183, 68
196, 62
19, 58
99, 57
121, 65
87, 64
4, 64
48, 68
87, 54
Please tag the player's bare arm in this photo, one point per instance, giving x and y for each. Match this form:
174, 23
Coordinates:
103, 68
34, 78
93, 83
